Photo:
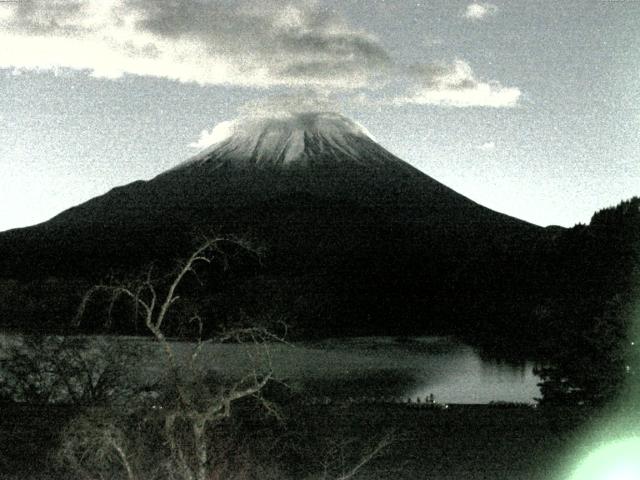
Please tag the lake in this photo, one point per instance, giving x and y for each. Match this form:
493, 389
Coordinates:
363, 367
385, 366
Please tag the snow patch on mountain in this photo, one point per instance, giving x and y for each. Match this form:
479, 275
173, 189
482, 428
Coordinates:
285, 138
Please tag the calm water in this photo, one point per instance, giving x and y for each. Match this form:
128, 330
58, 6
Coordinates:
369, 366
383, 366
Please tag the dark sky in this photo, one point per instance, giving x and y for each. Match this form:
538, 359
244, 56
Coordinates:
529, 107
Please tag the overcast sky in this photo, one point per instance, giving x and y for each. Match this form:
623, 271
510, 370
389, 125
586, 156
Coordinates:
531, 108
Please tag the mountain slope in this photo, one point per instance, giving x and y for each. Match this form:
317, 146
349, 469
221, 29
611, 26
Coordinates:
353, 233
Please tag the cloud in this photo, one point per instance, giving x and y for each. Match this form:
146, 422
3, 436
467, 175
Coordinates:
455, 85
487, 147
478, 11
39, 17
273, 43
281, 106
300, 101
220, 132
224, 42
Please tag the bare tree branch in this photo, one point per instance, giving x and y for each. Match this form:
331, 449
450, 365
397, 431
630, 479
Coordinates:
375, 451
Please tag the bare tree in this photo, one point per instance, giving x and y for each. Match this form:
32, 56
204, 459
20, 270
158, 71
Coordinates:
98, 444
191, 405
47, 369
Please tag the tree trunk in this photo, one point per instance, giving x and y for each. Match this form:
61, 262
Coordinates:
200, 444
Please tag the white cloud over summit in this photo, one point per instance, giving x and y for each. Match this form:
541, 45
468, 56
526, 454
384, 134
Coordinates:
218, 133
280, 106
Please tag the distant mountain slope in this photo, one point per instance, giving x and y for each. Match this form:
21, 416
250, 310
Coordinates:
345, 223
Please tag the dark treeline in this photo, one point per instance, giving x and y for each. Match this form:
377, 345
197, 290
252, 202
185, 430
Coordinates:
595, 271
576, 317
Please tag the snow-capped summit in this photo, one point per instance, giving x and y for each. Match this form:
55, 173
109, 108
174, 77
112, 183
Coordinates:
291, 139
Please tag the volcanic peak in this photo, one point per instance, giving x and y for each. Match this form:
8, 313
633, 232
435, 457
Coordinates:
289, 139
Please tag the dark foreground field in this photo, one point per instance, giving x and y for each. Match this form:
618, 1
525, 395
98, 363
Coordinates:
459, 443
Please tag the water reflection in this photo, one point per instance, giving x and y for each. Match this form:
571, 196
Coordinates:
411, 368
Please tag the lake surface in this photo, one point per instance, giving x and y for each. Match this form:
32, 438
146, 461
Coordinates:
453, 372
365, 367
384, 366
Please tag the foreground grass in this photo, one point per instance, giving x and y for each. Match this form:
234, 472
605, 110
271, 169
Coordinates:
462, 442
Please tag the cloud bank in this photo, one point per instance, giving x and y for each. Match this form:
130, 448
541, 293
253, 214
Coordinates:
233, 43
210, 43
456, 85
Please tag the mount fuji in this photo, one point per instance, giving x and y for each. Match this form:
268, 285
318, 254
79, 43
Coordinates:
357, 240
